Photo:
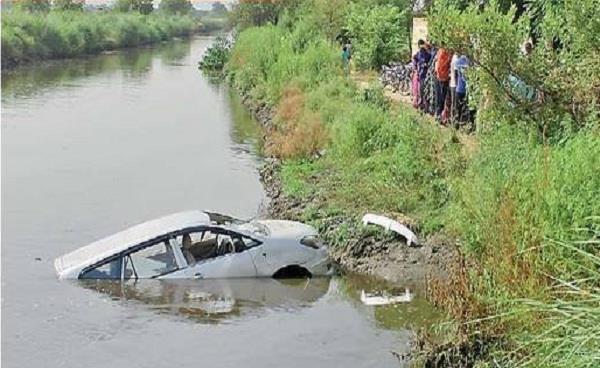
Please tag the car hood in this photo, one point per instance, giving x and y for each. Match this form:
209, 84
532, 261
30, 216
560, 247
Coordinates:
288, 229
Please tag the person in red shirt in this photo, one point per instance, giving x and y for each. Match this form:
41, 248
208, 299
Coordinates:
442, 73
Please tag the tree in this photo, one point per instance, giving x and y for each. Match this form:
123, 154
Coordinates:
123, 5
379, 34
176, 6
33, 5
145, 6
249, 13
330, 16
142, 6
218, 8
76, 5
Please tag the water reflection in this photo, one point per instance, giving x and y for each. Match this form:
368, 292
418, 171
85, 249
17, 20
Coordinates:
215, 301
227, 300
246, 132
402, 316
133, 64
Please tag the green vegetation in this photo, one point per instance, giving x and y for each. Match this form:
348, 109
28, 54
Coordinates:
140, 6
68, 5
216, 56
39, 29
33, 6
57, 34
379, 32
520, 196
175, 6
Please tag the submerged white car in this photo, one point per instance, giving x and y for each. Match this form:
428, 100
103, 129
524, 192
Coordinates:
200, 245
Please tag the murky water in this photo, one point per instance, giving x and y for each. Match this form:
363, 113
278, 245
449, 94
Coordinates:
92, 146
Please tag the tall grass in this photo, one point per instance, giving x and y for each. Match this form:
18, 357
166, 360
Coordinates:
58, 34
570, 332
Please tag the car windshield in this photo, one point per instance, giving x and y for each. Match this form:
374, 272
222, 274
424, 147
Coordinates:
254, 228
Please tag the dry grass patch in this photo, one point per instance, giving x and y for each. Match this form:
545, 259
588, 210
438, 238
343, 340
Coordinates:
298, 132
291, 105
300, 138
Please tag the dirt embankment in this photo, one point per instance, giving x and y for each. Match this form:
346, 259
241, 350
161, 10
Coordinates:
382, 255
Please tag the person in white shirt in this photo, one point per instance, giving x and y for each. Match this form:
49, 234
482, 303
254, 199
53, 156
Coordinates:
453, 87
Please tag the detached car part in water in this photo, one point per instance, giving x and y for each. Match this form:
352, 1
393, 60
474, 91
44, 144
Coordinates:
392, 225
200, 245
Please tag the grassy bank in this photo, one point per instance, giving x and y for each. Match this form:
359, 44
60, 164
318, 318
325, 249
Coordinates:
519, 200
59, 34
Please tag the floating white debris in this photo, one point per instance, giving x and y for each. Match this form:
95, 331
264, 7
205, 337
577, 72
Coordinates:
219, 306
372, 299
392, 225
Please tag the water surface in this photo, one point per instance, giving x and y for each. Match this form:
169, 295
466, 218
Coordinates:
91, 146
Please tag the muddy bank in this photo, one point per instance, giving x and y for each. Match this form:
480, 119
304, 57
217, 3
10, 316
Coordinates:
374, 252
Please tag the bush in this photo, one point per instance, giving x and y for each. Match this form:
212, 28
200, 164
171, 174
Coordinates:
216, 56
379, 34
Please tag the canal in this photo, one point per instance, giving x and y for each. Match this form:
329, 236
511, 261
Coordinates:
93, 145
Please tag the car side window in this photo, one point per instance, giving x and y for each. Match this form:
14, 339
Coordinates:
207, 244
249, 242
111, 270
149, 262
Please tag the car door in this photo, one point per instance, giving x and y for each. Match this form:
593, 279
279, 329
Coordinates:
263, 261
225, 266
234, 263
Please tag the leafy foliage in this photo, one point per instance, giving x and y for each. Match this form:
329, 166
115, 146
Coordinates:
216, 56
75, 5
175, 6
248, 13
564, 77
141, 6
32, 5
379, 34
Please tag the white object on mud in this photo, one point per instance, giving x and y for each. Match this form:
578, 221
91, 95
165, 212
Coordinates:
392, 225
371, 299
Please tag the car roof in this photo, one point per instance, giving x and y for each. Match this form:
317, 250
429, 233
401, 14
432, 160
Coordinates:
121, 241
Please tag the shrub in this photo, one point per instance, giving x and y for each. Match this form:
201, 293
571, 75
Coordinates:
378, 33
216, 56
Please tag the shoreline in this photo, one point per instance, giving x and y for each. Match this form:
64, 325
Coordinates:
40, 62
383, 255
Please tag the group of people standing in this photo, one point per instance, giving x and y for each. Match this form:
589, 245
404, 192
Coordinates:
439, 83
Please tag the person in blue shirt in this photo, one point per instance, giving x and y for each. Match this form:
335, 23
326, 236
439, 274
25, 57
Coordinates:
422, 59
346, 58
460, 70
